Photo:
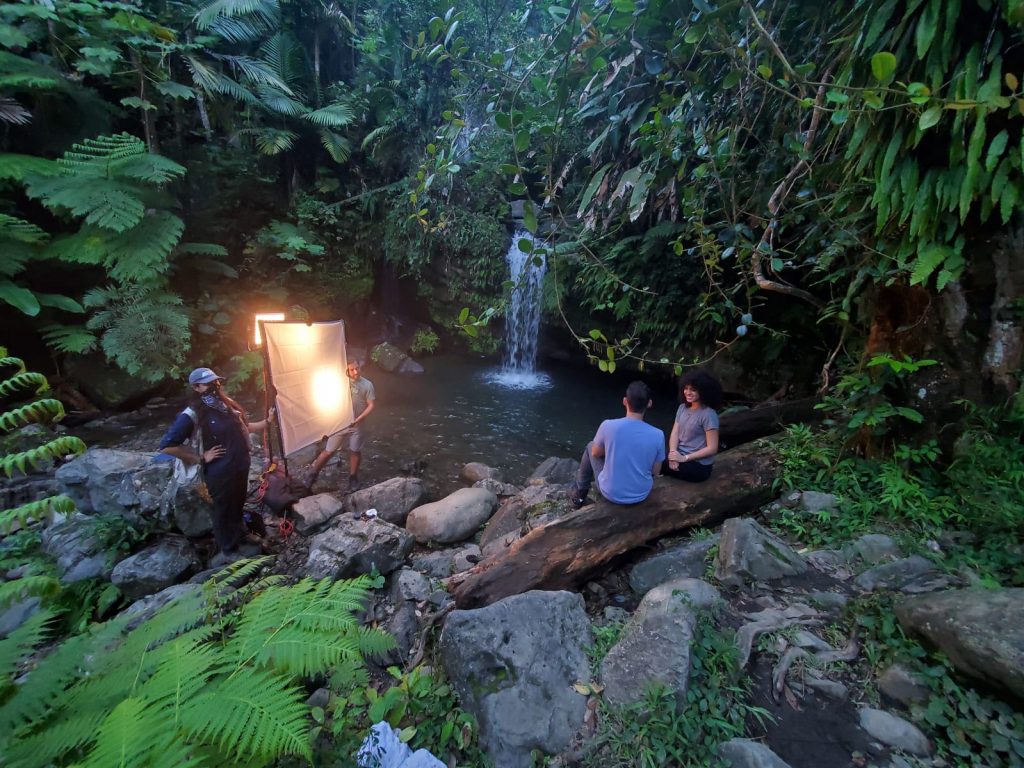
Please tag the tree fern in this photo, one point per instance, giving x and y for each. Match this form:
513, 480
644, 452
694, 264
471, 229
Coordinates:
21, 231
103, 202
73, 339
19, 167
40, 509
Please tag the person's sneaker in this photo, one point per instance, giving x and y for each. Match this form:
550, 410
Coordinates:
354, 484
576, 498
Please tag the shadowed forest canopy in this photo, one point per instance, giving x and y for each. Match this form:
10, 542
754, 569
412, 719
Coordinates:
811, 187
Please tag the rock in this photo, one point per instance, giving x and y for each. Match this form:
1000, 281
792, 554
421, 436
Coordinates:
444, 562
831, 688
17, 614
900, 685
312, 512
353, 547
106, 385
79, 552
531, 507
894, 731
141, 494
655, 645
475, 471
513, 664
980, 630
747, 552
872, 548
404, 627
895, 575
155, 568
453, 518
497, 488
830, 561
554, 471
94, 479
746, 753
321, 697
829, 601
143, 610
683, 560
388, 357
812, 501
393, 499
407, 584
411, 367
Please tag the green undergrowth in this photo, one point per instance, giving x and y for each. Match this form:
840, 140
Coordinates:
975, 496
969, 729
660, 730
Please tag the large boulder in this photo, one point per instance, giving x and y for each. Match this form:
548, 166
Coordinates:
981, 631
747, 552
313, 512
554, 471
894, 731
187, 509
357, 546
453, 518
442, 563
532, 506
909, 574
388, 357
687, 559
94, 481
747, 753
393, 499
514, 664
155, 568
655, 645
475, 471
79, 552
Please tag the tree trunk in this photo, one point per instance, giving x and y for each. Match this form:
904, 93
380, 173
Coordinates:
567, 552
741, 427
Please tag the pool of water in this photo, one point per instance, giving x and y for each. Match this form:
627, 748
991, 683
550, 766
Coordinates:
463, 410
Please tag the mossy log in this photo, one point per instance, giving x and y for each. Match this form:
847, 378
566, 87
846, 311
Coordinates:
567, 552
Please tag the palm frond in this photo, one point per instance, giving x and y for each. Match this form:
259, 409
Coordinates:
283, 53
13, 113
335, 115
265, 10
376, 136
211, 81
239, 30
338, 147
275, 101
271, 141
256, 71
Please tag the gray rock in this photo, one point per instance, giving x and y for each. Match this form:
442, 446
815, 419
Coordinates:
407, 584
745, 753
513, 664
655, 645
144, 609
895, 575
812, 501
873, 548
404, 627
899, 684
443, 563
388, 357
554, 471
393, 499
312, 512
141, 493
321, 697
895, 732
453, 518
353, 547
155, 568
831, 688
747, 552
687, 559
79, 552
17, 614
497, 488
830, 561
94, 479
980, 630
410, 366
475, 471
830, 601
534, 505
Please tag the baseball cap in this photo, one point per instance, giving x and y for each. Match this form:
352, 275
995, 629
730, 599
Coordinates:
202, 376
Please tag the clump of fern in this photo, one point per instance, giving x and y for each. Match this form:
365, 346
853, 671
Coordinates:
213, 678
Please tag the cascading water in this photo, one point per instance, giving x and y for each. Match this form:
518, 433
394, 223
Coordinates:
522, 318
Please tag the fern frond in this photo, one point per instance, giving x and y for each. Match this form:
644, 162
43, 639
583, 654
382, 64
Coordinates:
87, 246
335, 115
184, 670
40, 509
71, 339
338, 147
69, 732
201, 249
374, 642
24, 380
141, 253
258, 714
21, 231
93, 156
13, 113
103, 202
21, 643
39, 411
51, 451
21, 73
150, 167
16, 362
19, 167
43, 685
25, 587
121, 739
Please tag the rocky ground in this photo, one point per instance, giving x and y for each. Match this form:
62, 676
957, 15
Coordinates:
521, 665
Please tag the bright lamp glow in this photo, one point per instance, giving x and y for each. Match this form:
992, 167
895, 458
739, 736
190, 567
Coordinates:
267, 317
327, 390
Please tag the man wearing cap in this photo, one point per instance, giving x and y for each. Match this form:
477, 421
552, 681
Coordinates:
363, 402
224, 433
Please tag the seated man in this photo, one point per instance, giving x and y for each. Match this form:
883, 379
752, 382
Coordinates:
624, 455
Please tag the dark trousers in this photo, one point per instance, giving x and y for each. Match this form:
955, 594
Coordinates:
691, 471
590, 468
228, 493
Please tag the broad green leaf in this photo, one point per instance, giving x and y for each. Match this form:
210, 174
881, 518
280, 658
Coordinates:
929, 117
883, 67
996, 149
638, 198
592, 187
529, 221
522, 140
926, 26
20, 298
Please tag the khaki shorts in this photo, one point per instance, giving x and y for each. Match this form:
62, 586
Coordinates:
355, 435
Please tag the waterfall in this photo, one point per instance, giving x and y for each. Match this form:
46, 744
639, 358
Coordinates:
522, 318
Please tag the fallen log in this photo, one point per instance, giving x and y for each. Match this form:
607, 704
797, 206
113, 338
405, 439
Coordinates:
740, 427
566, 552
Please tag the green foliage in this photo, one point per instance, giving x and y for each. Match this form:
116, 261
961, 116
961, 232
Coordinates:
424, 340
970, 730
605, 638
659, 730
212, 677
422, 708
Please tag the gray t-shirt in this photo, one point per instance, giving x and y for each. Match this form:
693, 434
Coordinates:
693, 423
362, 393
